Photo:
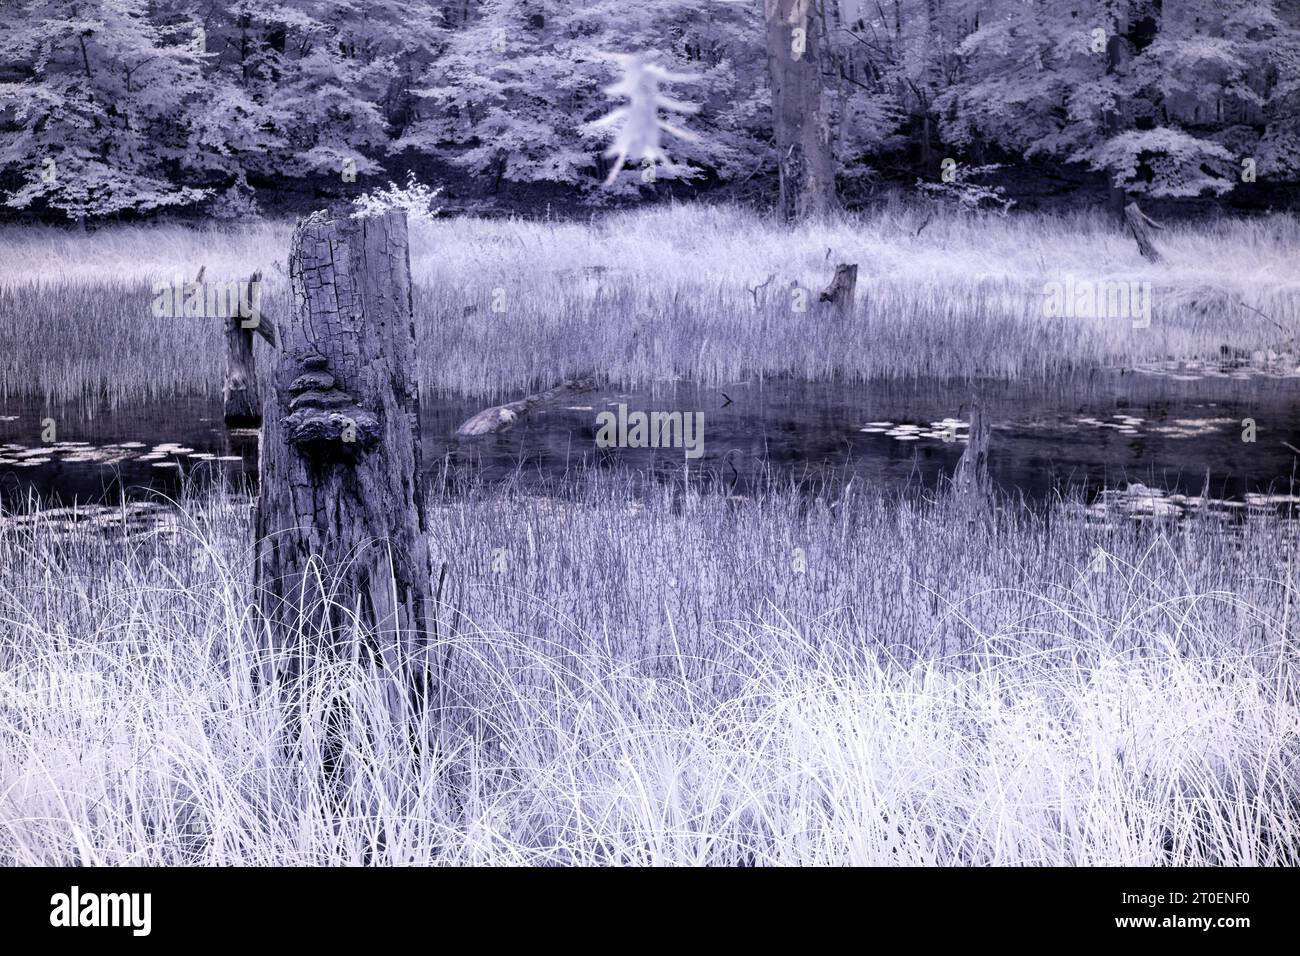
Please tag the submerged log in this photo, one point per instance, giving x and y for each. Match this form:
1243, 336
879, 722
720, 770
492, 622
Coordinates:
1138, 223
840, 293
343, 543
500, 418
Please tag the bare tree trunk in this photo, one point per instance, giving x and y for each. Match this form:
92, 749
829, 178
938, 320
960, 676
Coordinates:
1116, 58
935, 45
799, 120
343, 547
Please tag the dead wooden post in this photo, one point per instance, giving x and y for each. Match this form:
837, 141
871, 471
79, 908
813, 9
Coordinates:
843, 288
343, 546
239, 391
1138, 221
971, 478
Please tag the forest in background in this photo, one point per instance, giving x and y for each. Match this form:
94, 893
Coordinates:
229, 108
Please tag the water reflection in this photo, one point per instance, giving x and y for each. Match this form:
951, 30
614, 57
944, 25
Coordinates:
1143, 445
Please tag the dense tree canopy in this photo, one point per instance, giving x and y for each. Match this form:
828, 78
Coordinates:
115, 106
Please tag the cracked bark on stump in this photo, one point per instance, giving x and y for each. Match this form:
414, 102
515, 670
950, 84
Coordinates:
342, 497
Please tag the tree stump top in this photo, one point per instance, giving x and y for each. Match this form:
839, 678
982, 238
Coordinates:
327, 366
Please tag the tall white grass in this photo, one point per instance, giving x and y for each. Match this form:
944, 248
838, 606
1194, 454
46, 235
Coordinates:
696, 291
1115, 720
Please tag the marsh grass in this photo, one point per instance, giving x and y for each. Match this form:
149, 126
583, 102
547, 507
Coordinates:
693, 291
651, 680
630, 672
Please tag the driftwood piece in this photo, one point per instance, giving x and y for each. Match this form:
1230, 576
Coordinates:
343, 543
971, 477
1138, 225
500, 418
840, 293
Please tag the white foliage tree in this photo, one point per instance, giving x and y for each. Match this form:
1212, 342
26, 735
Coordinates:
639, 124
92, 126
512, 97
415, 198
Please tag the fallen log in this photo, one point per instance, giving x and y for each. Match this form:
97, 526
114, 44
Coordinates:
500, 418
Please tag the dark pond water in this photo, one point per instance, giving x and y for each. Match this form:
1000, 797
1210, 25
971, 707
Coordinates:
1145, 443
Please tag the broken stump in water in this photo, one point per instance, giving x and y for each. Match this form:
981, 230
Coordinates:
971, 478
343, 547
239, 391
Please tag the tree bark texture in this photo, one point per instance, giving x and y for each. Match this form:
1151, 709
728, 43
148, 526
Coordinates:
800, 123
343, 547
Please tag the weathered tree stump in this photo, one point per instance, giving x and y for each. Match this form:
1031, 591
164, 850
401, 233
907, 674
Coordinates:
1138, 223
343, 563
843, 288
239, 391
971, 478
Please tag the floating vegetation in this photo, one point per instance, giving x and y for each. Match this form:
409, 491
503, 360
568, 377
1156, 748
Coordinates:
1140, 501
85, 453
946, 430
1259, 364
127, 517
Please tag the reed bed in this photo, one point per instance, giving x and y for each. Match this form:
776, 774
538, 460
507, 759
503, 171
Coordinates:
706, 293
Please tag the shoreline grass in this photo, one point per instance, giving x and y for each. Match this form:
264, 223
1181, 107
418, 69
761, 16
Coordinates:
662, 293
653, 680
